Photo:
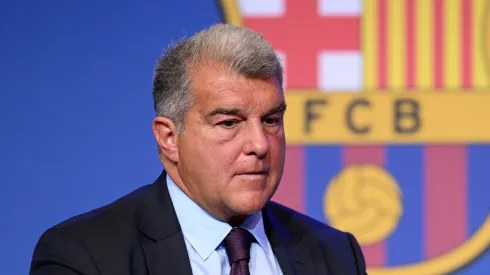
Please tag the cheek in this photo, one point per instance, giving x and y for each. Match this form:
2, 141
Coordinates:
277, 145
216, 157
227, 153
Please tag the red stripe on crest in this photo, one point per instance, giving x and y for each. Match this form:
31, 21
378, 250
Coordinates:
382, 45
374, 254
411, 44
291, 192
439, 43
446, 221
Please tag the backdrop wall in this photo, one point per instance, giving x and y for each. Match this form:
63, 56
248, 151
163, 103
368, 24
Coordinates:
76, 111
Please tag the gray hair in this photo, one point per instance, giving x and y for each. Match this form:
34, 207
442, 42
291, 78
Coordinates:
239, 49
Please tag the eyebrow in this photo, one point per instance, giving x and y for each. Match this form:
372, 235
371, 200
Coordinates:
223, 111
236, 112
279, 109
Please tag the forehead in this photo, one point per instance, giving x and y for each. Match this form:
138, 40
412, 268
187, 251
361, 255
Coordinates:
214, 86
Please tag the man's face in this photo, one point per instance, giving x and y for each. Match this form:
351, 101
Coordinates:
231, 154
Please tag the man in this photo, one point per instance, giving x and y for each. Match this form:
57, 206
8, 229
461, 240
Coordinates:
219, 127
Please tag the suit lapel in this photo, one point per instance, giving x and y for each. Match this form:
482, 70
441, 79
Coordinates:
292, 252
167, 257
162, 239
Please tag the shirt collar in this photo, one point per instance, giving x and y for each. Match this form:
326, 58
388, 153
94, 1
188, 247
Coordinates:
204, 232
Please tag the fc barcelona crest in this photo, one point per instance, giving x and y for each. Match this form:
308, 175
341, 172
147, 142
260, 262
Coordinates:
388, 124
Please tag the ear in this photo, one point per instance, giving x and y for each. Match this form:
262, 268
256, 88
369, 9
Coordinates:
166, 136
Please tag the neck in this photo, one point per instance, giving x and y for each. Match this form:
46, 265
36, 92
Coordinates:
237, 220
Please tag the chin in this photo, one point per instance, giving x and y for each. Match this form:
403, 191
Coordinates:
248, 205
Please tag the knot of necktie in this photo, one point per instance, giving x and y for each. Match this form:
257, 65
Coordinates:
237, 245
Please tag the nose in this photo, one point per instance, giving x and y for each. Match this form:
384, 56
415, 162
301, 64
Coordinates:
257, 142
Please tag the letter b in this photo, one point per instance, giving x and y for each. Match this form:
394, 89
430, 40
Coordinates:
407, 116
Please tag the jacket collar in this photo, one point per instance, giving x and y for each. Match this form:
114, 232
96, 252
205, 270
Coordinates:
294, 252
163, 242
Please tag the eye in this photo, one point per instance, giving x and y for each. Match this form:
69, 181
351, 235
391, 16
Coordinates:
230, 123
273, 121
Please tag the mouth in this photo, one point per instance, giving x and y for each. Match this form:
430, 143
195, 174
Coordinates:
254, 174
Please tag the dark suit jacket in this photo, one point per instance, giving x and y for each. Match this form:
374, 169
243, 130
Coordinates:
140, 234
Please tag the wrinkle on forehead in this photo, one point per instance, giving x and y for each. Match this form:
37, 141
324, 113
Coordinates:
214, 85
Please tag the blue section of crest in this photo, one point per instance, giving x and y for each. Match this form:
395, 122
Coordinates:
479, 185
479, 202
322, 163
405, 165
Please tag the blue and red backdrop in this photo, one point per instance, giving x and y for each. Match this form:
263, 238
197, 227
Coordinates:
387, 121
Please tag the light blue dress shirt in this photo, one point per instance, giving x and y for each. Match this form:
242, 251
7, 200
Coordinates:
204, 235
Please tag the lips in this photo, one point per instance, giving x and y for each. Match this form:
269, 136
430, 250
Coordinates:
255, 172
252, 177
